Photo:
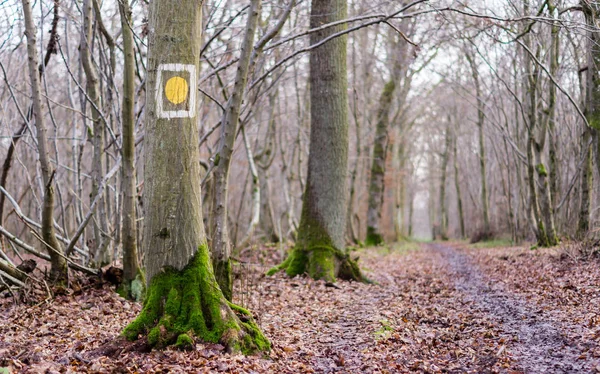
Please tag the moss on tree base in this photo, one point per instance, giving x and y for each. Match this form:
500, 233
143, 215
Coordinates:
224, 276
320, 263
134, 290
185, 305
374, 238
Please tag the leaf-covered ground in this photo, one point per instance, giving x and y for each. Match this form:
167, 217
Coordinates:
435, 308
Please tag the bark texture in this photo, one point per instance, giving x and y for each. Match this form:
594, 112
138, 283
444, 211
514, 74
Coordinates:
102, 255
480, 127
131, 268
183, 300
592, 110
376, 184
319, 247
221, 243
58, 270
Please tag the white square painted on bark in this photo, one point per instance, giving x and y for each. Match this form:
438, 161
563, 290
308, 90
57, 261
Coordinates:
191, 69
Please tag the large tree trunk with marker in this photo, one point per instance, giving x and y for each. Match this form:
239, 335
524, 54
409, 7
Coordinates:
221, 243
319, 250
183, 300
132, 277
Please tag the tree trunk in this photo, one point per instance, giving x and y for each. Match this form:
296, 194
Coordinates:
459, 204
58, 270
102, 255
256, 194
443, 206
592, 96
583, 225
183, 299
131, 269
553, 150
319, 248
380, 146
400, 195
376, 183
221, 244
480, 127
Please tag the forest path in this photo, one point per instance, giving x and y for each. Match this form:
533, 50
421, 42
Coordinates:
434, 308
534, 339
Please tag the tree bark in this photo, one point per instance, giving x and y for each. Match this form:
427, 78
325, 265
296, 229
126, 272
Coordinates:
592, 106
319, 248
183, 299
459, 203
58, 270
102, 255
480, 128
443, 206
131, 268
380, 146
221, 243
376, 183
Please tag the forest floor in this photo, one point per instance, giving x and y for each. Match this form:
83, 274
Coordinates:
439, 307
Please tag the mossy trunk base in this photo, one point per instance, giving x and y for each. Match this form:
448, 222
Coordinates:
182, 306
374, 238
133, 290
322, 262
224, 276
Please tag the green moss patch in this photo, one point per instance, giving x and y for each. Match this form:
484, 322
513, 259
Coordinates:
374, 238
181, 305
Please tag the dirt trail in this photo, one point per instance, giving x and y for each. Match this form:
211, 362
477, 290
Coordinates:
536, 342
433, 309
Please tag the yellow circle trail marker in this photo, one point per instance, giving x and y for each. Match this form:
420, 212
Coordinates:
176, 90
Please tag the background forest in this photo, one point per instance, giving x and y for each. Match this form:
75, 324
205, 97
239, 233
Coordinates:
464, 120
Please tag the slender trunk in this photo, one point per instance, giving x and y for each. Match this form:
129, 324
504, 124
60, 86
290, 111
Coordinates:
103, 255
131, 267
180, 278
592, 96
480, 128
58, 270
443, 207
221, 244
376, 183
255, 192
459, 203
399, 220
583, 225
553, 150
411, 211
